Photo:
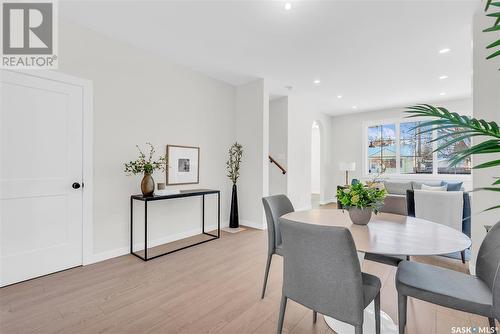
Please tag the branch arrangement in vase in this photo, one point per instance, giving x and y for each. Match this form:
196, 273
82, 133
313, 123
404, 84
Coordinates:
146, 166
233, 163
233, 172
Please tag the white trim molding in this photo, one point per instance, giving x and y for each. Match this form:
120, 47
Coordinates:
248, 223
151, 243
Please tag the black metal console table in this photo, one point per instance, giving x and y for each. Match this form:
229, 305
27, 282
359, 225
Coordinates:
181, 194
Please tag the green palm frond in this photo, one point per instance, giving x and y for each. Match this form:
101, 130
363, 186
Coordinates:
494, 27
454, 128
469, 127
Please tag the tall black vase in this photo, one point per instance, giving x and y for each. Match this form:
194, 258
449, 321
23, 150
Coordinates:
233, 217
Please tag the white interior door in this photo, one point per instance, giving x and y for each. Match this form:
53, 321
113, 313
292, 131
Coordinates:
40, 159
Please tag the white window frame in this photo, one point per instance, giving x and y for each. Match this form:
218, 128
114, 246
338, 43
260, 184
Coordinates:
398, 175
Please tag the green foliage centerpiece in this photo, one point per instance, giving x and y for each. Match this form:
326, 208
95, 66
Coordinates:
361, 201
146, 167
233, 172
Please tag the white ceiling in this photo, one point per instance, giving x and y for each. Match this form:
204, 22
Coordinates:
375, 54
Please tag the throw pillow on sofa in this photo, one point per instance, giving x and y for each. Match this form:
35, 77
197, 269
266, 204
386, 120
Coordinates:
397, 188
431, 188
418, 185
453, 186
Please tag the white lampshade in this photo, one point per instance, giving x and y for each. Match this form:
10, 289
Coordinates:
347, 166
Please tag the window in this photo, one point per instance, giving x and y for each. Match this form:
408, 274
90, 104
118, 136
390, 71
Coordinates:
400, 148
382, 149
444, 155
415, 149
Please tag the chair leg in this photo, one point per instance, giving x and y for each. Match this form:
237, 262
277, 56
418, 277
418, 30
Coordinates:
358, 329
492, 325
462, 255
315, 317
402, 301
266, 274
377, 313
282, 314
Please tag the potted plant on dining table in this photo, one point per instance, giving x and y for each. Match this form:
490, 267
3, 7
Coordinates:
361, 200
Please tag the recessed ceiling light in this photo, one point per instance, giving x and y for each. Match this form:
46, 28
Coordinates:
317, 82
443, 77
354, 107
445, 50
442, 93
288, 5
339, 96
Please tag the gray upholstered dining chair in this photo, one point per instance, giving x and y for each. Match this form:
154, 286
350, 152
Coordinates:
478, 294
275, 206
322, 272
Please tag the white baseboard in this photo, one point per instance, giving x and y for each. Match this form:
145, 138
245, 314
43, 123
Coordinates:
259, 226
98, 257
329, 201
151, 243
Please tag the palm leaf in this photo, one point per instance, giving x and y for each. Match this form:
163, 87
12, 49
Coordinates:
494, 54
488, 165
453, 141
490, 189
447, 119
448, 134
493, 28
492, 45
493, 208
491, 146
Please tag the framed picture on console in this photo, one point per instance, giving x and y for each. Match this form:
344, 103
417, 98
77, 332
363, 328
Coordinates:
183, 165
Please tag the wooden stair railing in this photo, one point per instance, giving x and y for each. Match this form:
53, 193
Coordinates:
271, 160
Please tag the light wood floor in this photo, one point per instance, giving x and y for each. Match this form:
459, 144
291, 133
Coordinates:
211, 288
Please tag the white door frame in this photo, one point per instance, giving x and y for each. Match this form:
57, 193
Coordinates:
88, 176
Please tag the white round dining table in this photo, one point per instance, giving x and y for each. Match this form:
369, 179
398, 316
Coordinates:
386, 234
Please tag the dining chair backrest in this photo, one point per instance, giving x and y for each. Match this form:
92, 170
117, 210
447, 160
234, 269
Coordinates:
488, 264
322, 270
443, 207
275, 206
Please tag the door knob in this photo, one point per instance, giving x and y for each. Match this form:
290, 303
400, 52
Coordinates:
75, 185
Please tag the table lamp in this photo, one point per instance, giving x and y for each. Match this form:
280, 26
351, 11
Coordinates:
347, 167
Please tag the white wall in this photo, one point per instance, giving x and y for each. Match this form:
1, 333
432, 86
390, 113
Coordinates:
315, 159
302, 112
486, 93
140, 97
278, 144
347, 136
252, 131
